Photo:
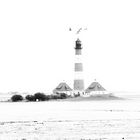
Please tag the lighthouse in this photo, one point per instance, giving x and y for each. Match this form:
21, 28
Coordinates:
78, 69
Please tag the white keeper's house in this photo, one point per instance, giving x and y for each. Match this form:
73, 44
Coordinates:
63, 88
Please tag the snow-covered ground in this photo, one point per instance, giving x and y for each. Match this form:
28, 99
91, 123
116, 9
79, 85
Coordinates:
94, 120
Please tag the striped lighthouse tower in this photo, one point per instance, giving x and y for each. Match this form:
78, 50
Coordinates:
78, 81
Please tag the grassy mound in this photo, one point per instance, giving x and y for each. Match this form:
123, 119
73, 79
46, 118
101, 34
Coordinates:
94, 98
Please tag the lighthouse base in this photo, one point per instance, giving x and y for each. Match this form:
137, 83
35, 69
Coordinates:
78, 92
79, 85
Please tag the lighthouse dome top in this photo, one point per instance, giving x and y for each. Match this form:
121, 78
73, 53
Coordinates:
78, 40
78, 44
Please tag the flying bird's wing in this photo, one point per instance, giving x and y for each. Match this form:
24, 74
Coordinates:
79, 31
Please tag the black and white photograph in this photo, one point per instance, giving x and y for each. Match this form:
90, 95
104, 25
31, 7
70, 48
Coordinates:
69, 70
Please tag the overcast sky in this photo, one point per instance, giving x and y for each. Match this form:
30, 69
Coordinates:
37, 49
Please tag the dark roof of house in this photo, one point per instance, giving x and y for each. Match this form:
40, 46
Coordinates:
95, 86
62, 87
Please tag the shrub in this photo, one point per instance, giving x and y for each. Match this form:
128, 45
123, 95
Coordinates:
54, 97
77, 95
59, 96
40, 96
16, 98
48, 97
63, 96
30, 98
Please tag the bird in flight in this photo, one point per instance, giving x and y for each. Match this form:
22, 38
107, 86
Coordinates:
70, 29
78, 31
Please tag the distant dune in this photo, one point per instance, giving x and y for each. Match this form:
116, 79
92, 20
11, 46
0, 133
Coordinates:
94, 98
